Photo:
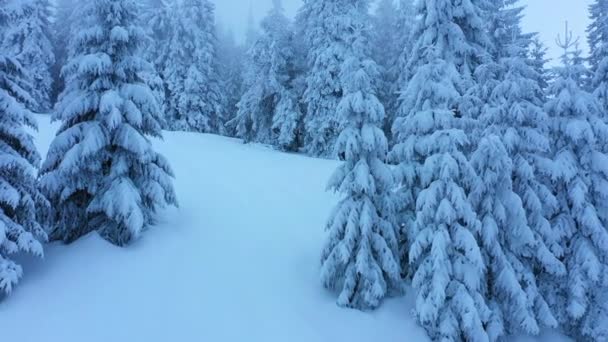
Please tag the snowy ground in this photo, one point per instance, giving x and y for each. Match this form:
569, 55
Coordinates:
238, 261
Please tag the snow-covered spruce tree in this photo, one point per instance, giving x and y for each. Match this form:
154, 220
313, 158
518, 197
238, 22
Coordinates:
268, 111
597, 33
159, 18
537, 56
27, 38
384, 27
443, 253
392, 45
360, 258
101, 173
386, 51
399, 71
325, 24
487, 46
230, 56
508, 243
21, 203
598, 47
66, 20
580, 179
516, 238
195, 98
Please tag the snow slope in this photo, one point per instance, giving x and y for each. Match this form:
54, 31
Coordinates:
238, 261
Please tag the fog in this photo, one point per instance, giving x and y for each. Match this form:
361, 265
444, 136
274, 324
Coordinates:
548, 17
544, 16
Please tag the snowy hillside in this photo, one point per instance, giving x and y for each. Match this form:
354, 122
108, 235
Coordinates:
239, 261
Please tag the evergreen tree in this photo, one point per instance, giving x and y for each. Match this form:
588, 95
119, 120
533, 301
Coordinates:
101, 173
360, 258
516, 238
325, 25
194, 95
392, 45
538, 59
268, 111
28, 40
386, 50
435, 174
580, 177
230, 56
598, 59
21, 203
159, 20
66, 21
597, 33
399, 71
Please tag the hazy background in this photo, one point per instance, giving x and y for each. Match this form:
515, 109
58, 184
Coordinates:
544, 16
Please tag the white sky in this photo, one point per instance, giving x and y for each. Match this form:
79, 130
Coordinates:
544, 16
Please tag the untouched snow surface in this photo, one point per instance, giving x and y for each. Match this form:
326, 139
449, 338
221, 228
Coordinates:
238, 261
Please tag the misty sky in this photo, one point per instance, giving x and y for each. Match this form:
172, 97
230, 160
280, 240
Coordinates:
544, 16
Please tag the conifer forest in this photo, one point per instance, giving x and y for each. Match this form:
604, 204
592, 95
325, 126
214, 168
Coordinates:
353, 170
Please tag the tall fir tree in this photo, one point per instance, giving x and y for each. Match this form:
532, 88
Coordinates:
231, 58
597, 33
360, 258
268, 112
101, 173
21, 203
435, 175
512, 203
195, 98
537, 56
391, 47
159, 18
580, 179
386, 50
28, 39
598, 59
400, 72
65, 22
324, 24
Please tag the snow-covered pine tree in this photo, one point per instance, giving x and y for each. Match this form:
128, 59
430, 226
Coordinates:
28, 40
441, 226
406, 22
580, 179
159, 20
509, 246
598, 47
195, 98
537, 55
230, 56
21, 203
268, 111
65, 22
384, 27
385, 52
101, 172
516, 238
597, 33
301, 48
392, 45
324, 24
360, 258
